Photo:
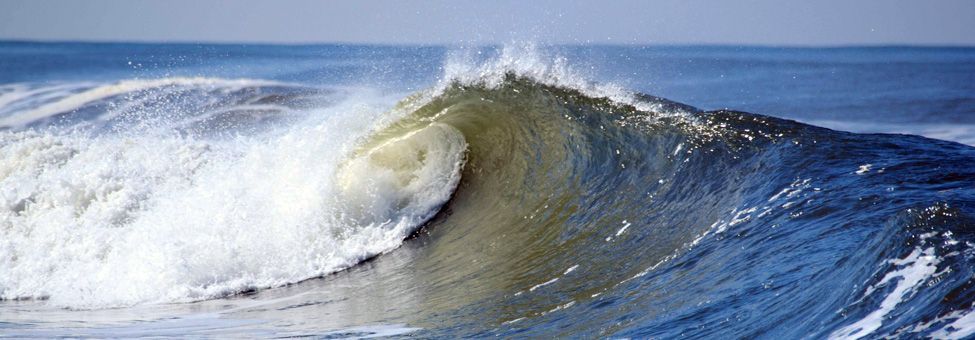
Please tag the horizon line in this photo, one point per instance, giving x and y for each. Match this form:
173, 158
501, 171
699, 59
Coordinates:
492, 44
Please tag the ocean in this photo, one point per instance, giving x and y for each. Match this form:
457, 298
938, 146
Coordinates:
523, 190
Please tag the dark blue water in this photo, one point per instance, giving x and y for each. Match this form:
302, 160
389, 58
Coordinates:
518, 191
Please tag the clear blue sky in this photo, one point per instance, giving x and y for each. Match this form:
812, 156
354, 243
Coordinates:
766, 22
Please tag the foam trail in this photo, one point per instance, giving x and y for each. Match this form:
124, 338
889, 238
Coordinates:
74, 101
919, 266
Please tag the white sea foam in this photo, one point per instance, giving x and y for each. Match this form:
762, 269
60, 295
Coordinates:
93, 221
961, 327
915, 270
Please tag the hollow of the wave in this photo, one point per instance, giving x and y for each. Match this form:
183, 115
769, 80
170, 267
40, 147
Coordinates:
404, 177
557, 202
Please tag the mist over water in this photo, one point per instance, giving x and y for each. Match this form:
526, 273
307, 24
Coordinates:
513, 191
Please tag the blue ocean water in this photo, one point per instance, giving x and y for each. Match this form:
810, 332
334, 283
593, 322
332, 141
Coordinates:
876, 89
518, 191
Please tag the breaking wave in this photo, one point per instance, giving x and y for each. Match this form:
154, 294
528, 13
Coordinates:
569, 196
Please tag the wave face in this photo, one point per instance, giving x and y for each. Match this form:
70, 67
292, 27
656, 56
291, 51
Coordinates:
532, 204
589, 215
